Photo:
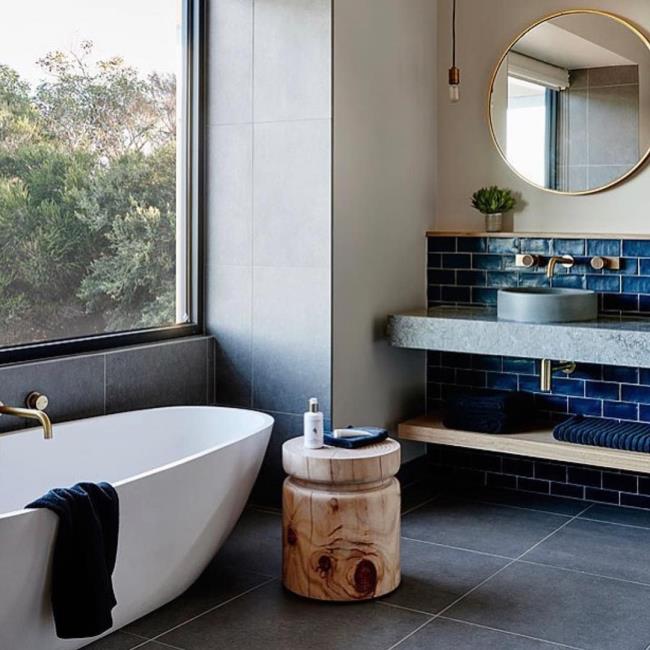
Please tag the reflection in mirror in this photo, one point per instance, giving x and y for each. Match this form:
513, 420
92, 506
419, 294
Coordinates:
570, 102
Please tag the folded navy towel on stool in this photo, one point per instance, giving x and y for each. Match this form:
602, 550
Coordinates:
603, 432
488, 411
84, 557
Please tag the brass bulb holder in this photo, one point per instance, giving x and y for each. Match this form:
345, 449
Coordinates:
454, 76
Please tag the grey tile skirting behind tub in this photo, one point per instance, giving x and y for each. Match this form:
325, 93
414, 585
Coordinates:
168, 373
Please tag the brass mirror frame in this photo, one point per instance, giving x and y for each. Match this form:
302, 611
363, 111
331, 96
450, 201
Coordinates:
567, 12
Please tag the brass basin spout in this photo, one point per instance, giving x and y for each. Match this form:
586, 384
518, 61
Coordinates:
566, 261
30, 414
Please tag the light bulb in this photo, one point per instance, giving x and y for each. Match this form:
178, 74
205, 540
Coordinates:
454, 93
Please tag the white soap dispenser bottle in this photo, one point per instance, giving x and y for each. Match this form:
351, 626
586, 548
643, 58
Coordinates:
313, 426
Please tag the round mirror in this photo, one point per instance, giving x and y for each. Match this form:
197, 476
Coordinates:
570, 102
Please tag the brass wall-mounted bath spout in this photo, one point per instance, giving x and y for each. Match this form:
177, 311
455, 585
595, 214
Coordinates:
30, 414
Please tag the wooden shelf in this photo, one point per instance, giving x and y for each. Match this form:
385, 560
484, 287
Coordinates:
537, 443
536, 235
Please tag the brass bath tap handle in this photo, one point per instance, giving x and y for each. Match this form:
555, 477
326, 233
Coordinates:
36, 400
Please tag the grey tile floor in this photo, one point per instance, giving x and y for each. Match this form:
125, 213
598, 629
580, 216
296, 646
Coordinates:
487, 570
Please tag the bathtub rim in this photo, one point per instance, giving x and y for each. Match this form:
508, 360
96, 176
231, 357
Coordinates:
267, 420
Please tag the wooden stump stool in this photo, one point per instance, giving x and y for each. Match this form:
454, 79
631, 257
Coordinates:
341, 521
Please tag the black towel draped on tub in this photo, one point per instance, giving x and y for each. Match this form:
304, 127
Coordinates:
84, 557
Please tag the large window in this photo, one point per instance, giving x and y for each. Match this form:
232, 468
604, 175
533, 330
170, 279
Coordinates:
95, 162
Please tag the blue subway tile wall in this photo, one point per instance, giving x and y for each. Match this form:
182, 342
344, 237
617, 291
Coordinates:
604, 391
469, 270
458, 468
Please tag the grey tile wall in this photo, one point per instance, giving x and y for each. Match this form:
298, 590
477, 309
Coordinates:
598, 127
269, 211
159, 374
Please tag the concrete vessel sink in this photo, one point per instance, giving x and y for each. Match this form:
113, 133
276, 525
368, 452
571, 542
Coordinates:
546, 305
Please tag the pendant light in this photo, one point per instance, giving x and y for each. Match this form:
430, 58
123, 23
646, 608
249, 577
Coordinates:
454, 72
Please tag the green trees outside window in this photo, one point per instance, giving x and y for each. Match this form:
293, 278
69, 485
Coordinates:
87, 199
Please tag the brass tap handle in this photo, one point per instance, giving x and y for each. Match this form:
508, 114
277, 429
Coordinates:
526, 260
36, 400
598, 263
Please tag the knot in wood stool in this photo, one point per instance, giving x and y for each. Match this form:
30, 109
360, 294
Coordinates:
341, 521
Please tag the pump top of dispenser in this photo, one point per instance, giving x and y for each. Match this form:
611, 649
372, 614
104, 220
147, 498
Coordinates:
313, 405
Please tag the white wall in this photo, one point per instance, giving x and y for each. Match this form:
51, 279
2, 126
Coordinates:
384, 189
467, 158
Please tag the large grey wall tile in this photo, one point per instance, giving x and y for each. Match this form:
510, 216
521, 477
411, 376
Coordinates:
614, 125
292, 198
230, 194
229, 320
292, 59
268, 488
613, 75
75, 386
291, 338
600, 175
578, 153
167, 374
230, 82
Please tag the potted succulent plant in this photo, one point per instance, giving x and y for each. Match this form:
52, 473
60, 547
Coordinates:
493, 201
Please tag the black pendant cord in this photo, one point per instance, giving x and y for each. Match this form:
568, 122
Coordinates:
453, 35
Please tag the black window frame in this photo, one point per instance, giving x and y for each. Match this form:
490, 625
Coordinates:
194, 63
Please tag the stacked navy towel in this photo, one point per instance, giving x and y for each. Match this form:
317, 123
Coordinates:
488, 411
601, 432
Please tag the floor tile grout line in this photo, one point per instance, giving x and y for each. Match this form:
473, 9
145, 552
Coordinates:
458, 548
586, 573
518, 634
615, 523
513, 507
405, 608
410, 634
503, 568
523, 561
487, 627
564, 525
212, 609
160, 643
420, 505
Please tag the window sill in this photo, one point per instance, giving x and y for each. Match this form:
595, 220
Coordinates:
100, 343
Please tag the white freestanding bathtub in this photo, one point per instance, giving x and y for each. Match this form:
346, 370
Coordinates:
183, 476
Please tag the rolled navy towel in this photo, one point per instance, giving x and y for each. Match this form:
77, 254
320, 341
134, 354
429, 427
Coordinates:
85, 551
